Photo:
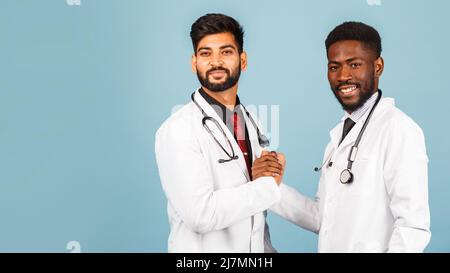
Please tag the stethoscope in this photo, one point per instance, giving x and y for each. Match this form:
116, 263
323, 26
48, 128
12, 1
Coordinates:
262, 139
347, 176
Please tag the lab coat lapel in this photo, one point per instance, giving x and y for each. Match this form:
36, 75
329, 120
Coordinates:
350, 139
336, 133
218, 134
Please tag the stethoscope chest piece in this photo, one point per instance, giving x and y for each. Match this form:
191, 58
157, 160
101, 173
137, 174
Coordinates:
346, 176
262, 139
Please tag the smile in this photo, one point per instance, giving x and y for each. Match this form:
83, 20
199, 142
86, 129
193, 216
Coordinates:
348, 90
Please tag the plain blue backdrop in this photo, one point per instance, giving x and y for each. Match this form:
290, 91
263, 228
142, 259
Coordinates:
83, 89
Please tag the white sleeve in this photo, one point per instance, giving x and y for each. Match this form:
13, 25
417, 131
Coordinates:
406, 178
189, 187
298, 209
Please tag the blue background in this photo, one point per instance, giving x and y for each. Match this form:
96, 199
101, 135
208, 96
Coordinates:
84, 88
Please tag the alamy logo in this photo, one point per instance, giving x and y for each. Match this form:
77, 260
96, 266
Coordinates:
73, 2
74, 247
374, 2
265, 116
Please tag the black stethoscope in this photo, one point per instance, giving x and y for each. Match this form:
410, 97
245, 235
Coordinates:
262, 139
347, 176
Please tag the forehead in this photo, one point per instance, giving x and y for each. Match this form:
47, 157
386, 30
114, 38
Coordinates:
343, 50
217, 40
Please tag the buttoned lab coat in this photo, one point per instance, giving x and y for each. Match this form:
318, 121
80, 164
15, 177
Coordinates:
211, 206
385, 208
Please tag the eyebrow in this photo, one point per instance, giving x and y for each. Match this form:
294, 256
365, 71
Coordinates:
347, 61
228, 46
222, 47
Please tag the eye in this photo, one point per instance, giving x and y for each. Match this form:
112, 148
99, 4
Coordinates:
204, 53
227, 52
355, 65
332, 68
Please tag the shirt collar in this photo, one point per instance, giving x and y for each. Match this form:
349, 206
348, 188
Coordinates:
221, 110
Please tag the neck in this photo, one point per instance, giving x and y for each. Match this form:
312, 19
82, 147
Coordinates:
375, 91
227, 97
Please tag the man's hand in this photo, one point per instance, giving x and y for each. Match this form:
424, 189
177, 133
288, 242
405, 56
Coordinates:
269, 164
282, 161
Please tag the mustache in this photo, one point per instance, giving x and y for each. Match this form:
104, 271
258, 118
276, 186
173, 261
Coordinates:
218, 68
337, 87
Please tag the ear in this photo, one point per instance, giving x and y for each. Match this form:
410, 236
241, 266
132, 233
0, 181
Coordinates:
379, 66
194, 63
243, 57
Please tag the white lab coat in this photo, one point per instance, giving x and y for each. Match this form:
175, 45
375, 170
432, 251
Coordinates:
385, 209
211, 206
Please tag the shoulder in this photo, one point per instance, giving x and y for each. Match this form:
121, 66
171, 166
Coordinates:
178, 125
398, 124
398, 121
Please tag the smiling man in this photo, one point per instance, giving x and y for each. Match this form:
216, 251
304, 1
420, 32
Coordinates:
206, 149
373, 189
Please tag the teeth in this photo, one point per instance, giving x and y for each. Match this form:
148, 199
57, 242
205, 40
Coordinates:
349, 89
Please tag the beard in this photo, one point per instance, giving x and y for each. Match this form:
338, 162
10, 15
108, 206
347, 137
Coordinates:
365, 93
230, 79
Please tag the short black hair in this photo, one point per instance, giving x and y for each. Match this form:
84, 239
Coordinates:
356, 31
214, 23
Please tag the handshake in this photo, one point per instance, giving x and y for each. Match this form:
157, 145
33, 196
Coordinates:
269, 164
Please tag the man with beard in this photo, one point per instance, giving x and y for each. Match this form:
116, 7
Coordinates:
373, 189
205, 153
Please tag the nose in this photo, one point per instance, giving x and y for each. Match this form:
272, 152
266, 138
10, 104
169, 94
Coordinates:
344, 74
216, 60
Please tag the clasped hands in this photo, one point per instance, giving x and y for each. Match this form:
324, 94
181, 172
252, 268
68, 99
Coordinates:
269, 164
